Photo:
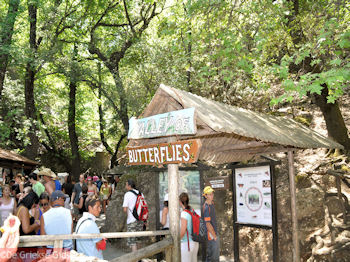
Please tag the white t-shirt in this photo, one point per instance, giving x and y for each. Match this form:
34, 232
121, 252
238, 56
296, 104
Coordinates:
129, 202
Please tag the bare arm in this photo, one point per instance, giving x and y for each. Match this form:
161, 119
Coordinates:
42, 226
164, 215
96, 190
24, 218
21, 187
80, 205
183, 227
49, 187
14, 205
73, 196
211, 230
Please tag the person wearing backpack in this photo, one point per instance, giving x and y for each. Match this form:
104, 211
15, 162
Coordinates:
87, 225
189, 248
129, 203
213, 243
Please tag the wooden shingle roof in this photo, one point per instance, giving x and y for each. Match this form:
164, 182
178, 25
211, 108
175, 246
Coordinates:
230, 133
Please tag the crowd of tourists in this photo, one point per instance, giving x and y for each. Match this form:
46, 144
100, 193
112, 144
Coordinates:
41, 203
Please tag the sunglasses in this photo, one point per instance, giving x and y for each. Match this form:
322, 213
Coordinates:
43, 204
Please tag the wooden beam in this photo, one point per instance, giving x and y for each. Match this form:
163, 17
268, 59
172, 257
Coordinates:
296, 250
48, 238
145, 252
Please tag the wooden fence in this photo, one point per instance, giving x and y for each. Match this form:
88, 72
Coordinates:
57, 242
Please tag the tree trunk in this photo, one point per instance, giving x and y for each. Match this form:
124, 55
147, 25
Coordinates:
102, 123
32, 149
123, 112
334, 120
114, 161
6, 39
72, 132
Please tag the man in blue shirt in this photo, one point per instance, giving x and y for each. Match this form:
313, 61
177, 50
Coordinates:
87, 224
213, 244
57, 220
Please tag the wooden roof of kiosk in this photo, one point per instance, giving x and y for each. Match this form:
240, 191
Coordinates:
9, 159
231, 134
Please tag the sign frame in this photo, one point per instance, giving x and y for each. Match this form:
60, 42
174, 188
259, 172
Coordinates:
183, 151
179, 122
253, 195
236, 225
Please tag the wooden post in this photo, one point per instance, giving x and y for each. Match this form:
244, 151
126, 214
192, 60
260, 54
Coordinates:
174, 208
168, 254
296, 251
58, 244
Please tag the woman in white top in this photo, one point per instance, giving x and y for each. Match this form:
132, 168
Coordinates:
7, 203
189, 248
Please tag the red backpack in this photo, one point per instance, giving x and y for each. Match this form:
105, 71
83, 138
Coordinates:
140, 211
199, 228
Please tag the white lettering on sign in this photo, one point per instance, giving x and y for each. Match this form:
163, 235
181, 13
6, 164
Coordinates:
176, 152
180, 122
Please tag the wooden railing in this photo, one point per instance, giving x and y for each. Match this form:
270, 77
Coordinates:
57, 242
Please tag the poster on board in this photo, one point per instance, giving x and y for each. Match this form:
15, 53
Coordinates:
253, 195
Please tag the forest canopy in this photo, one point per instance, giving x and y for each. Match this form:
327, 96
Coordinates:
73, 72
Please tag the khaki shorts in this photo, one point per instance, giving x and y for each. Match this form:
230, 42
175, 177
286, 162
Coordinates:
134, 227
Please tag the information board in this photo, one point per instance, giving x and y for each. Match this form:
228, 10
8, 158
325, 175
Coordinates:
253, 195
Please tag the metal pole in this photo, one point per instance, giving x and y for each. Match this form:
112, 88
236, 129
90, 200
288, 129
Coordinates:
174, 209
296, 251
274, 214
235, 224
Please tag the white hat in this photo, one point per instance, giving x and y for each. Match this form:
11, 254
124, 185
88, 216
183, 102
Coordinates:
166, 197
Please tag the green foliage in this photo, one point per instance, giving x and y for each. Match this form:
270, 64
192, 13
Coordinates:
250, 53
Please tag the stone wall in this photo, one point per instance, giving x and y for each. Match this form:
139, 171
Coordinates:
115, 216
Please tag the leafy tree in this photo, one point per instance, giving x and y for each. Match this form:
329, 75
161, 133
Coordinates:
6, 32
118, 26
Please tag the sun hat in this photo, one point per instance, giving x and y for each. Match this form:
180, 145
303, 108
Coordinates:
89, 178
47, 172
57, 194
208, 190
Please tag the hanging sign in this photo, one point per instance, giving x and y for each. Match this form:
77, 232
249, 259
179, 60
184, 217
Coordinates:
180, 122
218, 183
185, 151
253, 195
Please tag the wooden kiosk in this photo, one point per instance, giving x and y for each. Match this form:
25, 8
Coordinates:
222, 134
11, 160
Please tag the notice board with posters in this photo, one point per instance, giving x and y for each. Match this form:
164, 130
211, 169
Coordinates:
253, 195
